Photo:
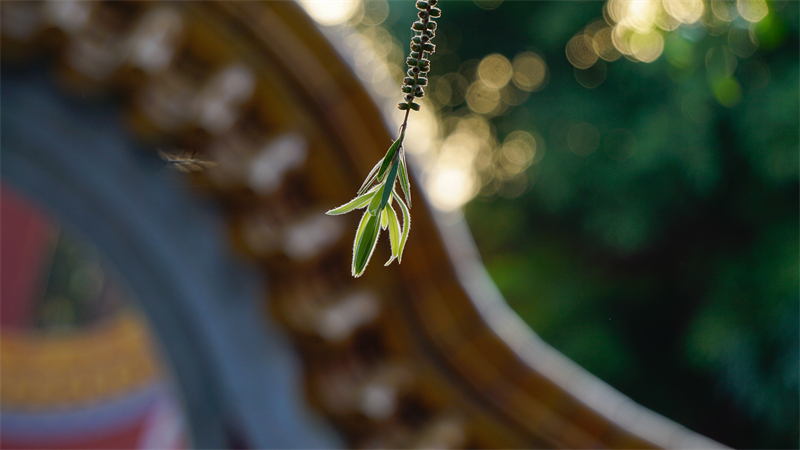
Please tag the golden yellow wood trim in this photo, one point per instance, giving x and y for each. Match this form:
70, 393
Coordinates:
67, 369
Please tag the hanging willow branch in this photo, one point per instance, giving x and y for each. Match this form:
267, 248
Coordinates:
378, 191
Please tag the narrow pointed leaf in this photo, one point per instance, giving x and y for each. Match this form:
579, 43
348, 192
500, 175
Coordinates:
388, 185
406, 227
365, 244
362, 225
374, 204
394, 233
356, 203
381, 198
404, 178
384, 219
373, 174
389, 158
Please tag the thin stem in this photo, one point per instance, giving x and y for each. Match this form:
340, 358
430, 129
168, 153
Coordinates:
402, 135
405, 123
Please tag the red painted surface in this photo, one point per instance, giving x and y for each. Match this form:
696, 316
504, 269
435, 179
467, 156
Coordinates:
26, 247
125, 438
25, 237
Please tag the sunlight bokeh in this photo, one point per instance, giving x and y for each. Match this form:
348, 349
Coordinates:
331, 12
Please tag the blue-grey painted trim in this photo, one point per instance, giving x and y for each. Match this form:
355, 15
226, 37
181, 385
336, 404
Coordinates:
236, 371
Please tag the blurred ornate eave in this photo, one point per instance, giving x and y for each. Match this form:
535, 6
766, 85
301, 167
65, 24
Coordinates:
422, 354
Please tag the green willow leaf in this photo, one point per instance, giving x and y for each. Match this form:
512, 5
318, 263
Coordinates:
406, 227
377, 192
357, 203
394, 233
373, 174
389, 184
404, 177
374, 204
384, 219
364, 245
362, 224
389, 158
381, 198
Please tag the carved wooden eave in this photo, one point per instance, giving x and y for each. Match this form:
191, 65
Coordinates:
421, 354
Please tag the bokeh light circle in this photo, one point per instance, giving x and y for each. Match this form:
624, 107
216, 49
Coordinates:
529, 71
752, 10
580, 51
603, 45
724, 10
481, 98
647, 47
494, 71
518, 151
685, 11
331, 12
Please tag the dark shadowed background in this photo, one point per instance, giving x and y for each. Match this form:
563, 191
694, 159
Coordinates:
654, 237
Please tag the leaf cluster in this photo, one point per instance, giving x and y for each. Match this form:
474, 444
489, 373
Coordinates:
376, 195
378, 190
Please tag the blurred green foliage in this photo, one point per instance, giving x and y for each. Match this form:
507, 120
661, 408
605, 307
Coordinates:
77, 286
664, 257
